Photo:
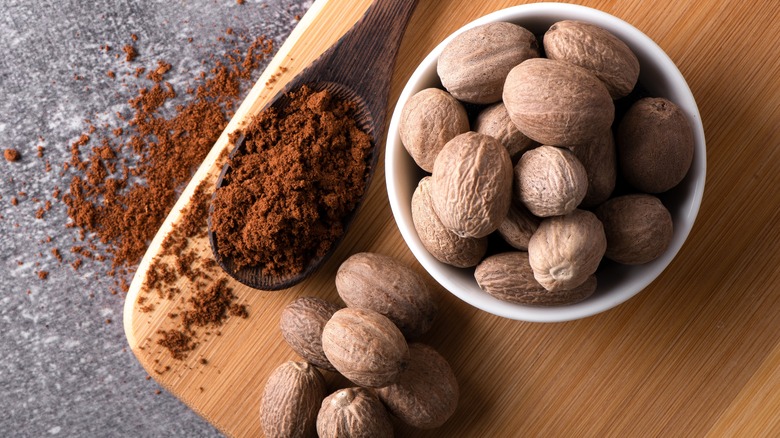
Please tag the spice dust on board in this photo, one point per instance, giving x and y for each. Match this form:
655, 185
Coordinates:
301, 174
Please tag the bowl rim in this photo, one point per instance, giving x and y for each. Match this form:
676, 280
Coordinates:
649, 272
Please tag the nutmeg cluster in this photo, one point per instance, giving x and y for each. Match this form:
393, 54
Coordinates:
545, 156
372, 343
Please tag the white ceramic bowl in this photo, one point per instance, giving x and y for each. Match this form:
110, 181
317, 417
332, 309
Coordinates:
616, 283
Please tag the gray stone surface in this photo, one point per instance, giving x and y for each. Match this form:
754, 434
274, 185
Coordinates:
63, 369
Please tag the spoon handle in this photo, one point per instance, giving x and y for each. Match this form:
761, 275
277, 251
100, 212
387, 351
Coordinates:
364, 57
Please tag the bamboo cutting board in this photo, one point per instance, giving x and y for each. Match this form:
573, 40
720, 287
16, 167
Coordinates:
696, 354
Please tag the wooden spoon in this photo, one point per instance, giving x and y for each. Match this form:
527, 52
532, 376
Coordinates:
357, 68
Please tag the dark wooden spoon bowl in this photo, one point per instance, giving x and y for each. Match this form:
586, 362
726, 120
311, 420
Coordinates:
357, 68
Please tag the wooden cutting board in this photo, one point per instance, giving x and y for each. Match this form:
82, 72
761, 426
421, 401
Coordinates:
696, 354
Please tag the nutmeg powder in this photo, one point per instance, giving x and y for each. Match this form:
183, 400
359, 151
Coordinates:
301, 173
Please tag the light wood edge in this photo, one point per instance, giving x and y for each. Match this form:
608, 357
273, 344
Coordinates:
258, 96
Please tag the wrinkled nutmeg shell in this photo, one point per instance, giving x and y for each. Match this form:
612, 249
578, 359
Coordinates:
509, 277
443, 244
430, 119
366, 347
518, 227
550, 181
353, 413
471, 185
474, 65
599, 157
427, 395
301, 325
291, 400
597, 50
495, 122
385, 285
638, 228
566, 250
655, 145
557, 103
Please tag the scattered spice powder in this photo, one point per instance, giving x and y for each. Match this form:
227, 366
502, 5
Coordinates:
178, 343
130, 53
124, 215
43, 275
41, 149
301, 174
11, 155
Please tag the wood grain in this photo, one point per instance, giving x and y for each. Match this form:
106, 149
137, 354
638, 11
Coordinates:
696, 354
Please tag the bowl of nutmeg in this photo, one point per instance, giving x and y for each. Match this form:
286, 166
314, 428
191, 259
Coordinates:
546, 162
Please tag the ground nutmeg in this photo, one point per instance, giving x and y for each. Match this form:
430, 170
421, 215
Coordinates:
301, 173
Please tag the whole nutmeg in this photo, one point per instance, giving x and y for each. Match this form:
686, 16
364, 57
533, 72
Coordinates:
595, 49
471, 185
508, 276
557, 103
427, 395
429, 120
291, 400
495, 122
566, 250
443, 244
366, 347
473, 66
518, 227
599, 157
550, 181
353, 413
638, 228
383, 284
655, 145
301, 325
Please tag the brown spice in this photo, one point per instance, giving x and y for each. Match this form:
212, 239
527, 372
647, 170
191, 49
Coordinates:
178, 343
57, 255
43, 275
41, 149
240, 2
130, 53
14, 201
11, 155
111, 74
301, 174
126, 215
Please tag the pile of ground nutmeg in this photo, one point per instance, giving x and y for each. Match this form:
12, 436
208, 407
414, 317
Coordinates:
302, 172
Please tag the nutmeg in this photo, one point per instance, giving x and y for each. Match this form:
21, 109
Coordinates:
509, 277
301, 325
291, 400
429, 120
471, 185
655, 145
595, 49
427, 394
383, 284
353, 413
495, 122
443, 244
566, 250
638, 228
474, 65
366, 347
557, 103
550, 181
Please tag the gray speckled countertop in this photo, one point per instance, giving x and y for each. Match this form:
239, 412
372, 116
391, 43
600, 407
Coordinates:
64, 368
